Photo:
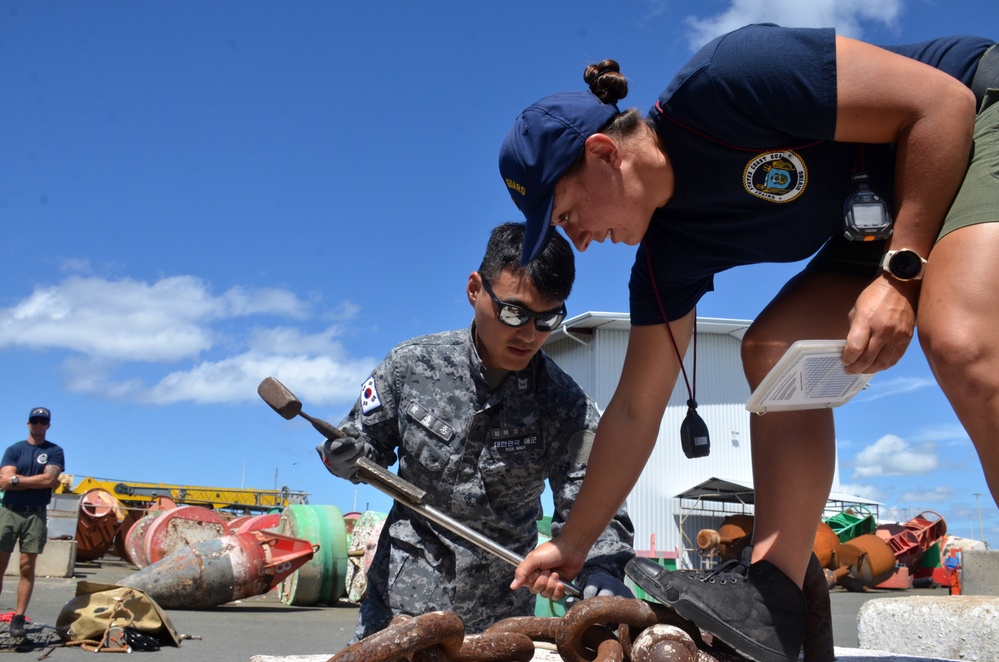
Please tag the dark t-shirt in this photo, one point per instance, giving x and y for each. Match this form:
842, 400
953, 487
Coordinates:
749, 124
31, 460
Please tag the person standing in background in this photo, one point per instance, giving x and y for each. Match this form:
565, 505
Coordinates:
28, 473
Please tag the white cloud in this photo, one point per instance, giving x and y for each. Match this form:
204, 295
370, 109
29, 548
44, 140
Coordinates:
656, 8
866, 491
133, 320
847, 16
316, 379
932, 495
878, 389
118, 330
320, 379
893, 456
287, 340
953, 435
76, 265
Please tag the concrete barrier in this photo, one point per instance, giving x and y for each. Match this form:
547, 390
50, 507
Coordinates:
58, 560
957, 627
979, 572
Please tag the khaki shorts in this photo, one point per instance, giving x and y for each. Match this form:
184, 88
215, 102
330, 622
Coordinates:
978, 199
29, 528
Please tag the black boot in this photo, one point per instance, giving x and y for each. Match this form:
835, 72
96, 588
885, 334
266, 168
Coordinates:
756, 609
17, 626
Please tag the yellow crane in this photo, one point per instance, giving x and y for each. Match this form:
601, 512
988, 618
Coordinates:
134, 493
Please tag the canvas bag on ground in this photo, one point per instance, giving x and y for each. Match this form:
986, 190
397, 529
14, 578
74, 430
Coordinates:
89, 614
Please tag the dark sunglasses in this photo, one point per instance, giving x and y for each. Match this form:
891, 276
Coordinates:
513, 315
38, 421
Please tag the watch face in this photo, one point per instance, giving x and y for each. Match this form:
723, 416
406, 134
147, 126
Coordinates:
905, 265
869, 216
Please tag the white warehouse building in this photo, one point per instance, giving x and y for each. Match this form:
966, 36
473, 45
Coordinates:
676, 497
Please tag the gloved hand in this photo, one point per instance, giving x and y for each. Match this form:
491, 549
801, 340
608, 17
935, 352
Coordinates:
340, 456
601, 582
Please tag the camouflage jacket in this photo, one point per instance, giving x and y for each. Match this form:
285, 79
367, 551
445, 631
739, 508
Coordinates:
483, 456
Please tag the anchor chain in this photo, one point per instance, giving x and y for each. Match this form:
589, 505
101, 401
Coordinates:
664, 642
496, 647
406, 636
598, 629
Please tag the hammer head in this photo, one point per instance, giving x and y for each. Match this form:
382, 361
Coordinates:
279, 398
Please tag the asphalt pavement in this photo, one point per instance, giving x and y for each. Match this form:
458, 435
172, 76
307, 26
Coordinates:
262, 625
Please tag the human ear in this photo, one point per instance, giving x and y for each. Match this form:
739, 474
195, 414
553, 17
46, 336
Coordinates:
604, 148
473, 288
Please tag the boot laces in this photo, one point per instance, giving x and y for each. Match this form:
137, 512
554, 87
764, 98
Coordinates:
732, 570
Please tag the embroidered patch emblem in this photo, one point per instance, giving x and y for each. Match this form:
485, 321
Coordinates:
430, 422
515, 440
43, 458
369, 396
779, 176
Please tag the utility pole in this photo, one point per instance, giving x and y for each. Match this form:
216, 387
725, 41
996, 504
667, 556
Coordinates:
981, 529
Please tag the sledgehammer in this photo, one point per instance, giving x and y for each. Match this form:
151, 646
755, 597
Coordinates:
281, 400
285, 403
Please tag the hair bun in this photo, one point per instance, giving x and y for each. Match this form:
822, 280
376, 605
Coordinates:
606, 81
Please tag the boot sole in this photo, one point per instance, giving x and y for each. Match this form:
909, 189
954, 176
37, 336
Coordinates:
742, 645
645, 581
747, 647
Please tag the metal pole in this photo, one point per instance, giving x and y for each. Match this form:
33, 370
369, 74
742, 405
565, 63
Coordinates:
981, 529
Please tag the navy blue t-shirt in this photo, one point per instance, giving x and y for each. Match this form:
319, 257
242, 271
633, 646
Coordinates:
31, 460
749, 124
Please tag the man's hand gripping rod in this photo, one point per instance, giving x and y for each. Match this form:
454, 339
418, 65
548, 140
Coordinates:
281, 400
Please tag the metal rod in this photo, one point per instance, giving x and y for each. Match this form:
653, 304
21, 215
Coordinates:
412, 497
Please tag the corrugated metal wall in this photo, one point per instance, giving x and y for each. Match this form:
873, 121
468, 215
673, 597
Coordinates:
721, 396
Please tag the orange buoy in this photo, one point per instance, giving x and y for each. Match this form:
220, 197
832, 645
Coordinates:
267, 521
135, 541
132, 515
96, 524
213, 572
180, 527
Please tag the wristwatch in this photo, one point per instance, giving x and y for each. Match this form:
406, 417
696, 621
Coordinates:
903, 264
14, 480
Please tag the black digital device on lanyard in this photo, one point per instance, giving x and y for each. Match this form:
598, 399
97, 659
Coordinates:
865, 213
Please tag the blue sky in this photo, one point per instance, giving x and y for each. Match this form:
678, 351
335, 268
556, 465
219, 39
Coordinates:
196, 195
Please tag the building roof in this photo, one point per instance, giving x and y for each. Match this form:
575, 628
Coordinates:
586, 323
730, 491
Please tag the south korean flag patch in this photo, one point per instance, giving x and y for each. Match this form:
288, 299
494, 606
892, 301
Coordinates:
369, 396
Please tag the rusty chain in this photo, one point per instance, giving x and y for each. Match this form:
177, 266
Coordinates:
598, 629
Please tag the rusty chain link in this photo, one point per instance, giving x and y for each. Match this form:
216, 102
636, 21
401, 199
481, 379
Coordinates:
645, 632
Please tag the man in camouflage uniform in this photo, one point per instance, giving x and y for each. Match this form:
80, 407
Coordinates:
479, 418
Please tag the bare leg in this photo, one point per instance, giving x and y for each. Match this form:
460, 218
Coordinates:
794, 453
27, 583
958, 320
4, 560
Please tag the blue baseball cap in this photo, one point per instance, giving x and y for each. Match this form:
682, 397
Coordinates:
40, 412
545, 141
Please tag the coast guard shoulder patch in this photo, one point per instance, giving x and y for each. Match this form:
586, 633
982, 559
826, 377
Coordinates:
369, 396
